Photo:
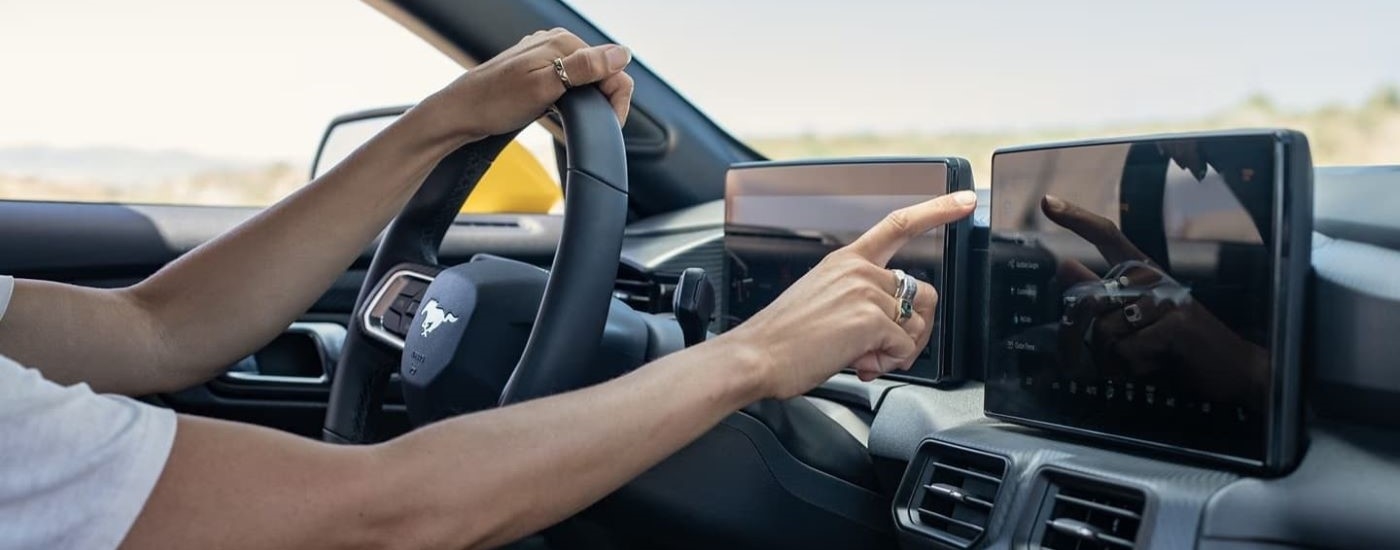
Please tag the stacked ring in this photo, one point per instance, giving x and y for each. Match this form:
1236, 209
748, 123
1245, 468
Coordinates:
561, 73
905, 291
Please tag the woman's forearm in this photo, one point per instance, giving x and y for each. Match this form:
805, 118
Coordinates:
231, 295
478, 480
492, 477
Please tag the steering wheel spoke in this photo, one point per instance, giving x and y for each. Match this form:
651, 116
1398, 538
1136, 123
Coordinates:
388, 316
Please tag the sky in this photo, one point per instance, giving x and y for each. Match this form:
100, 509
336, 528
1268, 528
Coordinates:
258, 79
248, 79
847, 65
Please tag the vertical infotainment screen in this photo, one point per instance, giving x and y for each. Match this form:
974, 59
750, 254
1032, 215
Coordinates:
1133, 290
781, 219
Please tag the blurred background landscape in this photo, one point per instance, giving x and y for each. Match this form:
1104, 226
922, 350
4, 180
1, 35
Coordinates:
115, 174
1364, 133
1339, 134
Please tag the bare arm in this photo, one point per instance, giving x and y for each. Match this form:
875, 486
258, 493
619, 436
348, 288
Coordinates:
221, 301
478, 480
488, 478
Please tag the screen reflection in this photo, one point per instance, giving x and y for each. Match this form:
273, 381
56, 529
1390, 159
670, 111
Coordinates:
1131, 289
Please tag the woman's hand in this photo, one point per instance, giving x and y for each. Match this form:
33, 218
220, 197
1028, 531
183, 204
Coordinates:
517, 86
842, 312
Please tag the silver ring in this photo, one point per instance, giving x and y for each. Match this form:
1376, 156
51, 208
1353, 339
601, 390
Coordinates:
1132, 313
905, 290
563, 74
903, 284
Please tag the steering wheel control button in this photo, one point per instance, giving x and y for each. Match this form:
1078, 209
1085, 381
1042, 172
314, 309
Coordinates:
393, 321
390, 313
414, 289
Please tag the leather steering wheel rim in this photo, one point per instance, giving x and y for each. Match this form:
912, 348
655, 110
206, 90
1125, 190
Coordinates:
573, 311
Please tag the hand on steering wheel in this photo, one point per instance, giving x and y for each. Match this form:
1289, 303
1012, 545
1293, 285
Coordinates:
843, 313
514, 88
477, 114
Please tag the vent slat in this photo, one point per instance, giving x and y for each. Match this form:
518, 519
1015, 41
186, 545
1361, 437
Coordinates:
1100, 507
1084, 532
507, 224
952, 520
1076, 529
967, 472
1125, 543
1090, 515
642, 295
942, 491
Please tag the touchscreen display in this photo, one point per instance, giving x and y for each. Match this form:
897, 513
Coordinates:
1131, 290
780, 220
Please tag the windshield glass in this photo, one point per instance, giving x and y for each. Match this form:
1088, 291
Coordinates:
823, 78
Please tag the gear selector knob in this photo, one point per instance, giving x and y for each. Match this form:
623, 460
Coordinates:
694, 305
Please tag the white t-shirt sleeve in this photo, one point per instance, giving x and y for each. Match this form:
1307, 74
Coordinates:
7, 287
76, 467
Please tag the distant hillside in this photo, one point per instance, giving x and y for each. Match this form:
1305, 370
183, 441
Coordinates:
117, 174
1368, 133
118, 165
255, 186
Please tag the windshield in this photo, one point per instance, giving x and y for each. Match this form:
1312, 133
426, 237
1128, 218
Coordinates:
824, 78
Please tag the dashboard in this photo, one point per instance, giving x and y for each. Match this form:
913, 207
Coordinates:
955, 478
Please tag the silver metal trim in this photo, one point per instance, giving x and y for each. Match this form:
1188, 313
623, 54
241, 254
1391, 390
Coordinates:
256, 378
328, 339
374, 326
702, 239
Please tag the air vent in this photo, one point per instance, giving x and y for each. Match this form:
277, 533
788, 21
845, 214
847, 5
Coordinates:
643, 292
952, 497
487, 223
1082, 514
639, 295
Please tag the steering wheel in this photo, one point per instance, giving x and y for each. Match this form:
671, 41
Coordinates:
418, 317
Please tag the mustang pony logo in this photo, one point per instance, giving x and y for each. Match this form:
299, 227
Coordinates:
434, 316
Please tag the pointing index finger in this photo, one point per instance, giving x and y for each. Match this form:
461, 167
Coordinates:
881, 242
